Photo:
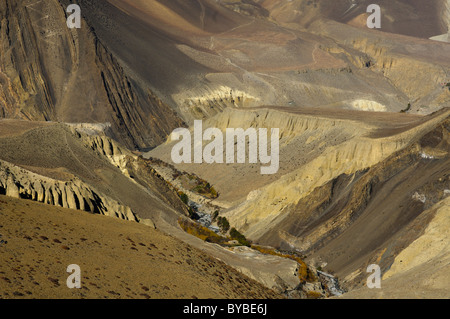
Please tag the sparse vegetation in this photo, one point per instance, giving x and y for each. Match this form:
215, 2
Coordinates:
236, 235
189, 181
214, 193
223, 224
192, 214
204, 188
313, 295
215, 215
304, 273
208, 235
201, 232
184, 198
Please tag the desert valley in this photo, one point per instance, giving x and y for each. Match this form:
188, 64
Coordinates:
316, 149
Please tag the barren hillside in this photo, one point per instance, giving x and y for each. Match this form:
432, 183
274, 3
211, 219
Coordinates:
118, 259
344, 202
86, 117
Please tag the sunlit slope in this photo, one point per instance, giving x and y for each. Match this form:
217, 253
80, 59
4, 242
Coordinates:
430, 18
55, 164
117, 259
201, 57
421, 269
339, 200
76, 166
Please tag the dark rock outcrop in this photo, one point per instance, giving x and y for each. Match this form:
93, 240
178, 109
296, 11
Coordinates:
53, 73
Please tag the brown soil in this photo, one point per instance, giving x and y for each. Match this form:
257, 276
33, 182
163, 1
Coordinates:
118, 259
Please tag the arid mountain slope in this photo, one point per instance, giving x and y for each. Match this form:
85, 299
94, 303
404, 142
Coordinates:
363, 117
304, 137
347, 202
429, 18
190, 60
416, 67
74, 166
199, 67
117, 259
420, 270
50, 72
57, 156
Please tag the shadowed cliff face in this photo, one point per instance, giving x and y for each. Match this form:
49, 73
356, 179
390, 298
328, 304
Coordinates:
372, 215
131, 60
347, 201
202, 56
353, 187
49, 72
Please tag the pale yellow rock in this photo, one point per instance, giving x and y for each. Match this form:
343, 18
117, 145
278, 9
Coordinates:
421, 269
255, 215
434, 243
75, 194
366, 105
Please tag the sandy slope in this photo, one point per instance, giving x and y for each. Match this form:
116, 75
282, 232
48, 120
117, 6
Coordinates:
55, 151
421, 270
118, 259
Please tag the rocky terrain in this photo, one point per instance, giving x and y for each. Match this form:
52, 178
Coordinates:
19, 183
85, 121
53, 73
422, 268
99, 176
200, 65
328, 193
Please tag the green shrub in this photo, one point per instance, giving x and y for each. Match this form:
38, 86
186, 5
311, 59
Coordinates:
313, 295
184, 198
201, 232
204, 188
214, 193
223, 224
235, 234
